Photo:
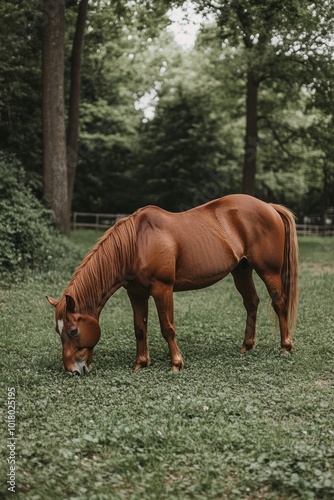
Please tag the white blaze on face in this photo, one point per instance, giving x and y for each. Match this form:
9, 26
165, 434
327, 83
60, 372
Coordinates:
60, 325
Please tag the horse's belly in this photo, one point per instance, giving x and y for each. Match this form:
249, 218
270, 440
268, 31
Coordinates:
195, 282
199, 270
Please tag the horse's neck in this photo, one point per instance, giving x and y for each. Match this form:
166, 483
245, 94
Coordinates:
100, 274
106, 297
87, 299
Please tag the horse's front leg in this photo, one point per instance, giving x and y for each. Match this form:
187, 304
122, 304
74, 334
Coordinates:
140, 313
163, 297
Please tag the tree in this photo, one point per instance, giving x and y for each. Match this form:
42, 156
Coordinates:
74, 102
54, 137
321, 178
53, 27
20, 85
122, 61
59, 155
277, 38
185, 149
129, 59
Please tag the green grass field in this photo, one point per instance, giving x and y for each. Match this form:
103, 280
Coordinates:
230, 426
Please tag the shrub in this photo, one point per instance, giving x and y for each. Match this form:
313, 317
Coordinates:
28, 238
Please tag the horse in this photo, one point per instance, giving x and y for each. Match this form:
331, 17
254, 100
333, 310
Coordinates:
155, 253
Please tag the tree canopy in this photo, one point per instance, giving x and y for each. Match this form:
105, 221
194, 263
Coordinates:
249, 106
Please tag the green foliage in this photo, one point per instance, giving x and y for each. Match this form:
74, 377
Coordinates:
28, 241
118, 67
20, 86
181, 150
288, 48
188, 151
230, 426
106, 158
192, 149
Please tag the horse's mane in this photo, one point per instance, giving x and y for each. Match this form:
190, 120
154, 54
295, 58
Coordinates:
102, 267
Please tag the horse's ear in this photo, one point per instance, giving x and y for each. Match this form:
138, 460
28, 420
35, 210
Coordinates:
70, 303
52, 301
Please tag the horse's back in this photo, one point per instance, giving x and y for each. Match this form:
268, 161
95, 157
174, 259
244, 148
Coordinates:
183, 248
200, 246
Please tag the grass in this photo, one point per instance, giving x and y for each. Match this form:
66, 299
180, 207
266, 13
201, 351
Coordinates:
230, 426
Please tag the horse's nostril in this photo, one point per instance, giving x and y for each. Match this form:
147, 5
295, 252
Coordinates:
76, 372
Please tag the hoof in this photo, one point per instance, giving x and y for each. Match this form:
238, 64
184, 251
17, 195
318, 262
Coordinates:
246, 348
178, 366
139, 366
176, 369
286, 350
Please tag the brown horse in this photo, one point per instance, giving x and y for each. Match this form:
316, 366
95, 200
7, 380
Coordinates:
154, 252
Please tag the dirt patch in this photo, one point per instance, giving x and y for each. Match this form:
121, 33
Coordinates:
316, 269
322, 383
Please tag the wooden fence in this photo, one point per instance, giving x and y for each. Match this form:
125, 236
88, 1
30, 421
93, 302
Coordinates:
99, 221
314, 230
95, 221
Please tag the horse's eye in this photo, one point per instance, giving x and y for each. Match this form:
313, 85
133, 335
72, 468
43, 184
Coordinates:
73, 333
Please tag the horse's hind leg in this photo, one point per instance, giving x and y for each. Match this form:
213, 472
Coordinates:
244, 283
140, 312
273, 282
163, 297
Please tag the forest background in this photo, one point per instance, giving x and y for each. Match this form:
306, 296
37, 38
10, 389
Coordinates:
247, 108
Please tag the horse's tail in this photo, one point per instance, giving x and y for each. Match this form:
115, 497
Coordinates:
289, 272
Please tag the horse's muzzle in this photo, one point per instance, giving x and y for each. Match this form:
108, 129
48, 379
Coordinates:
80, 369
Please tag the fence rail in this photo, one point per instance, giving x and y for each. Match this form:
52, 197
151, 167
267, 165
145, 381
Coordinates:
314, 230
102, 221
94, 220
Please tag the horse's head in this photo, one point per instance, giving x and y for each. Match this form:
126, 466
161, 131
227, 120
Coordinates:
79, 334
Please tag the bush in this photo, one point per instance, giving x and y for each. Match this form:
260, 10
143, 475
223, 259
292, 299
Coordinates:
28, 238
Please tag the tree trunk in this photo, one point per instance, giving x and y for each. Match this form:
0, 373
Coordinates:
325, 193
54, 136
73, 119
249, 168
